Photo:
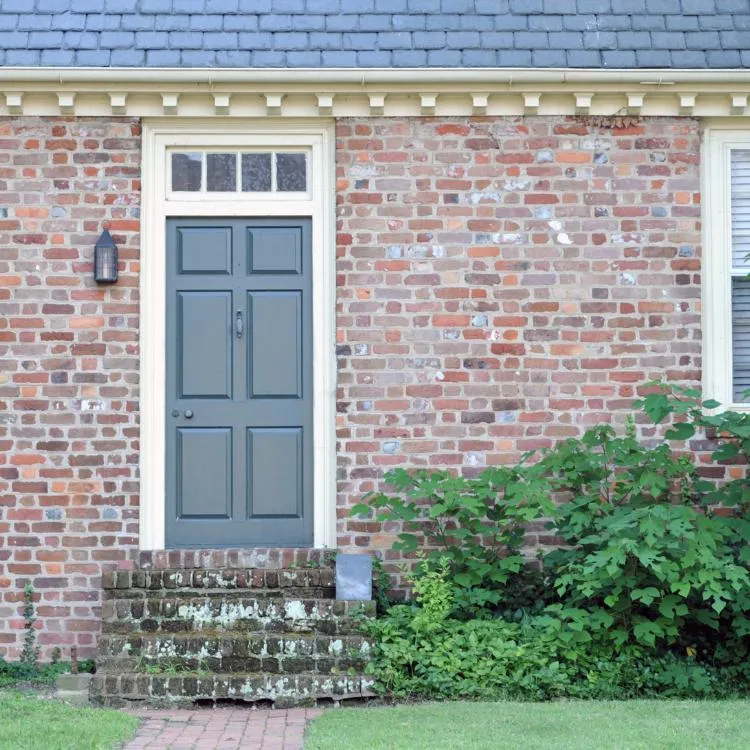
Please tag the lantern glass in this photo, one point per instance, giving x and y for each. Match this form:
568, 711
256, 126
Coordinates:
105, 259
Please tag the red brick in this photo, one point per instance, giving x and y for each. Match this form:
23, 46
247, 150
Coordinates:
64, 335
554, 330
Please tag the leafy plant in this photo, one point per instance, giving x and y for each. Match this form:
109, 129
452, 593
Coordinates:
381, 585
30, 652
421, 651
478, 524
639, 546
648, 588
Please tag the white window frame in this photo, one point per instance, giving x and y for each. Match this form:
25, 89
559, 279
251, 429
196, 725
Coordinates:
719, 140
158, 204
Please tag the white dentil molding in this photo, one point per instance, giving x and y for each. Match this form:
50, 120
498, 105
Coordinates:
310, 93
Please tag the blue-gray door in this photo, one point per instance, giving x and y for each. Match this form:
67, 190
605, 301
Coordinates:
239, 383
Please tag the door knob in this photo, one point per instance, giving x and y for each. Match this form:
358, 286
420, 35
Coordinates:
188, 414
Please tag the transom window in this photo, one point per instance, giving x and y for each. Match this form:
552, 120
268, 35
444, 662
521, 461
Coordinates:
238, 171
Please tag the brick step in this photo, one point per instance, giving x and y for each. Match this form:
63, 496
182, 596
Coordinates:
255, 614
257, 581
241, 557
298, 592
151, 646
129, 688
232, 664
235, 652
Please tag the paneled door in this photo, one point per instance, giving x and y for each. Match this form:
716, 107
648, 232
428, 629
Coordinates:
239, 383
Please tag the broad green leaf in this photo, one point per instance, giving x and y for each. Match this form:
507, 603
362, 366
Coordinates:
680, 431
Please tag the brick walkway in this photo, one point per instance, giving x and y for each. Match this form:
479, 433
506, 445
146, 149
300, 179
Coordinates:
221, 729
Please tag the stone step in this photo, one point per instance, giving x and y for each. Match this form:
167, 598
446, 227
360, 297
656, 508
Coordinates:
129, 688
236, 652
255, 614
215, 582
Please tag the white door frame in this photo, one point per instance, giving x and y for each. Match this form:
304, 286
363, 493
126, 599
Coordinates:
157, 205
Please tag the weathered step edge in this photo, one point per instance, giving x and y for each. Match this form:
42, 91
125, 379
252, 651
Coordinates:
233, 652
283, 691
153, 645
201, 614
224, 580
250, 557
287, 664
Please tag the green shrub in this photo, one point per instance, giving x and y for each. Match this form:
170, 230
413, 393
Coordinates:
647, 594
642, 547
421, 651
478, 524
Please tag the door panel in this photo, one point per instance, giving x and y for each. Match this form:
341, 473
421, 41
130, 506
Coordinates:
204, 344
204, 471
205, 250
275, 493
274, 250
239, 369
276, 349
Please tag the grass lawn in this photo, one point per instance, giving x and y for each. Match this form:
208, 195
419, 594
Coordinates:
31, 723
570, 725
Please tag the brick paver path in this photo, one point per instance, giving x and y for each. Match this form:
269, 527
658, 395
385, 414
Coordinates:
221, 729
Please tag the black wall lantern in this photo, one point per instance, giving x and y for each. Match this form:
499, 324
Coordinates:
105, 259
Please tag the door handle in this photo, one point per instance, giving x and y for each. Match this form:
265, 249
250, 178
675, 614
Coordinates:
239, 324
188, 414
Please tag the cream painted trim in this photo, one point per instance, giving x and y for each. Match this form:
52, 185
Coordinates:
160, 92
719, 138
365, 76
158, 136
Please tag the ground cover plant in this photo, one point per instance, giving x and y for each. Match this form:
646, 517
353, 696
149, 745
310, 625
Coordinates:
34, 723
20, 673
564, 725
647, 594
28, 670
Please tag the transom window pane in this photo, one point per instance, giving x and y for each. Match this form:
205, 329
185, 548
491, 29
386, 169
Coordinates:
257, 174
221, 172
186, 172
239, 171
291, 172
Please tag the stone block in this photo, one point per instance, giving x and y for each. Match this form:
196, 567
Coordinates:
354, 577
74, 688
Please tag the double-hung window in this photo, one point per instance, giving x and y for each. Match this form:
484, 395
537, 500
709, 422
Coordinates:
726, 273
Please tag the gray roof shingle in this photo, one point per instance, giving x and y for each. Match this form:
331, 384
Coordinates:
376, 33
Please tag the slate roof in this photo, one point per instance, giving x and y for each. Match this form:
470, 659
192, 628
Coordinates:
376, 33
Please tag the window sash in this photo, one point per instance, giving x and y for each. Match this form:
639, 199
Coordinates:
739, 303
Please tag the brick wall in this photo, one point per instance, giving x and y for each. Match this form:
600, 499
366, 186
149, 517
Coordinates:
68, 370
504, 283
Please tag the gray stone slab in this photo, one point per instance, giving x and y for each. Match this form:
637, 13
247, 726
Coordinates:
354, 577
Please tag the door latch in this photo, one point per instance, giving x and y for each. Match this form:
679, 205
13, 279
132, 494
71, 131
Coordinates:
239, 324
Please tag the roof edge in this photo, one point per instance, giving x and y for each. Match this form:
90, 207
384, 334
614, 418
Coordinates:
370, 76
342, 92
